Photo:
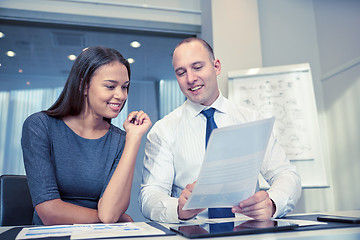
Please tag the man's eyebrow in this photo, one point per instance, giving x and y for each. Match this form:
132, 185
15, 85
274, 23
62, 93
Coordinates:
180, 68
198, 62
194, 63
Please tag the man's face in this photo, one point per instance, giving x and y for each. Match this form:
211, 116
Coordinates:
196, 73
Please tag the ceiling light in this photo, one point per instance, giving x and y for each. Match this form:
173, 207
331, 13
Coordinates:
10, 53
20, 70
131, 60
2, 35
71, 57
135, 44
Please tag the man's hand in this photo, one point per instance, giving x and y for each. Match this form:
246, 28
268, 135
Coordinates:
185, 194
259, 206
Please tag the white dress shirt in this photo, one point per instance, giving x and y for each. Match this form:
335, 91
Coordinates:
175, 151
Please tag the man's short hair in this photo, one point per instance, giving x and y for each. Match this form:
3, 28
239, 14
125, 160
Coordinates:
203, 42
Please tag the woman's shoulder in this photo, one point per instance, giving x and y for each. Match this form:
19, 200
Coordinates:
116, 138
36, 127
37, 118
116, 130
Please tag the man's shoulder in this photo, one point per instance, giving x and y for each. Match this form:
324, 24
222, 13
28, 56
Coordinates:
238, 109
169, 123
172, 117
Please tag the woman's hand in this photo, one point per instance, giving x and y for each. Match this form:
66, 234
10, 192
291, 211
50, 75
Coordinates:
137, 123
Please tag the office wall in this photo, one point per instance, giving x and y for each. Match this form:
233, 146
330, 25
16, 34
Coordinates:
232, 27
289, 36
338, 34
324, 34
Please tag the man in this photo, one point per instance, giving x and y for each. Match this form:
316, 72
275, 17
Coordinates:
175, 146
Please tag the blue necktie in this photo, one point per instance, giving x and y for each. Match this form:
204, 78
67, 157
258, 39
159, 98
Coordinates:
210, 125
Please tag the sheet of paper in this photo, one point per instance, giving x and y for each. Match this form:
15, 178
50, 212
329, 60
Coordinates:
49, 231
302, 223
117, 230
231, 166
87, 231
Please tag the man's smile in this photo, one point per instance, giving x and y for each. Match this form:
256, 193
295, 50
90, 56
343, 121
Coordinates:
196, 88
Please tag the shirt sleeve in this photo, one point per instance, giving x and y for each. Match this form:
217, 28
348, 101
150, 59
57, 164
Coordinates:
155, 198
38, 162
284, 181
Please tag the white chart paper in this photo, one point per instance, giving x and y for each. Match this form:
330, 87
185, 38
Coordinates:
87, 231
129, 229
231, 166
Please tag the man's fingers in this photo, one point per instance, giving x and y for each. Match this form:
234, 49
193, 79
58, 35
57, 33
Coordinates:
254, 199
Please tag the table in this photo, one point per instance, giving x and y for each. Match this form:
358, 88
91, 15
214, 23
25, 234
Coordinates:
343, 233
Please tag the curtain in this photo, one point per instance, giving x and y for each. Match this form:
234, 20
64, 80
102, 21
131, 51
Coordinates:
4, 106
15, 107
170, 96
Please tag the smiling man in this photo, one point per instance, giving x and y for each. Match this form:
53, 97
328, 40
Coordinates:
176, 145
196, 71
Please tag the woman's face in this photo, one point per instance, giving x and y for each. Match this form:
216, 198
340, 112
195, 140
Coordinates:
108, 91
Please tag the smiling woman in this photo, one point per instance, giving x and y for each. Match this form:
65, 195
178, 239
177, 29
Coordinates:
75, 139
41, 52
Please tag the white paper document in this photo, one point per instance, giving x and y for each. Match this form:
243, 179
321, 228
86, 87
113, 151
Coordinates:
87, 231
49, 231
232, 165
130, 229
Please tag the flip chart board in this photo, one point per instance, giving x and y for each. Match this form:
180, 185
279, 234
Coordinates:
286, 93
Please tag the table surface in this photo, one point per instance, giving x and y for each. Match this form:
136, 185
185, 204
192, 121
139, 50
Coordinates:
348, 233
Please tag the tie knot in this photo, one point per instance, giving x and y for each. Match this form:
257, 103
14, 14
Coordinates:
209, 113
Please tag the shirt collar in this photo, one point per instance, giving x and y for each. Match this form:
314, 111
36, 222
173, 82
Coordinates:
196, 108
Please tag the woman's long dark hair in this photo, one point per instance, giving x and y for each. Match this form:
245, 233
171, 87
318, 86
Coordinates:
71, 101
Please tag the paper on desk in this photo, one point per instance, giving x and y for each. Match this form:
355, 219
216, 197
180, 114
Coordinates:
302, 223
231, 166
87, 231
118, 230
48, 231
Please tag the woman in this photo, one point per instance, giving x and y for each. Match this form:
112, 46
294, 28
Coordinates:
79, 166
